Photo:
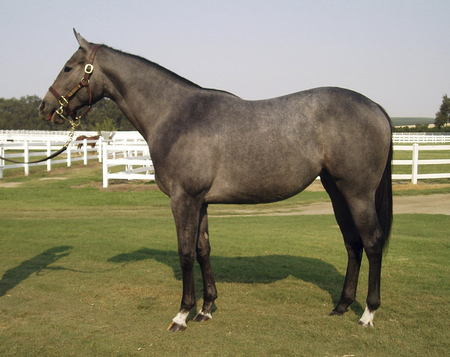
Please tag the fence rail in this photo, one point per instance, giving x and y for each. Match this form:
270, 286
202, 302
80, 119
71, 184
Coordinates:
425, 138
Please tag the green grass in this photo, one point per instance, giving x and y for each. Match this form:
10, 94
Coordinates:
86, 271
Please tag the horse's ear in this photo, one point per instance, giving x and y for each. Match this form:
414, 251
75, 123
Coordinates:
83, 43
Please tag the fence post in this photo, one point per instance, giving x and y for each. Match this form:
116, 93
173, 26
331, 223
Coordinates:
415, 163
100, 148
49, 152
69, 154
2, 162
26, 158
129, 166
85, 151
105, 165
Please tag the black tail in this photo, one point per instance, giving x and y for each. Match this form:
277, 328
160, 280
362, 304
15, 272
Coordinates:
383, 196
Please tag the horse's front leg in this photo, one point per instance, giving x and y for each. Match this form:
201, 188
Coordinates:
186, 211
203, 257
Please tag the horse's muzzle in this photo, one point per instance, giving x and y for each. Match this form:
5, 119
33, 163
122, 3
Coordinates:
47, 115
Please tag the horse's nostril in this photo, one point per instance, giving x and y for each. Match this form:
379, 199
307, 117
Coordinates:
42, 106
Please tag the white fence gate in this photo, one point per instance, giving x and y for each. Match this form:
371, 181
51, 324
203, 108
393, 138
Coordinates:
127, 157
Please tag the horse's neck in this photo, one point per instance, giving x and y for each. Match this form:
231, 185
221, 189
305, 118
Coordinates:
145, 92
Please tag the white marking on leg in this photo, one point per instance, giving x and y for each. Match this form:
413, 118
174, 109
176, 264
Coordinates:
367, 318
180, 319
209, 316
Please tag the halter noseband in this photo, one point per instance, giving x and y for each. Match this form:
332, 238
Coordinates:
84, 83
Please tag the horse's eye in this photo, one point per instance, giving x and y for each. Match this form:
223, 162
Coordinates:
67, 69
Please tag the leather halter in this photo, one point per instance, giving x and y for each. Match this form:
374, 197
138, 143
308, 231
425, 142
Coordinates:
84, 83
64, 106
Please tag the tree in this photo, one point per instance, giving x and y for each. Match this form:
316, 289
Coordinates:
443, 115
105, 108
23, 114
108, 124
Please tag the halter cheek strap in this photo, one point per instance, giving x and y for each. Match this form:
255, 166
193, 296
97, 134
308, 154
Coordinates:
84, 83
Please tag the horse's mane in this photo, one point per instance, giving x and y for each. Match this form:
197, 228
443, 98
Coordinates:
160, 68
167, 72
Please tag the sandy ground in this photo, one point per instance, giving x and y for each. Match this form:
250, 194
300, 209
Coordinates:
428, 204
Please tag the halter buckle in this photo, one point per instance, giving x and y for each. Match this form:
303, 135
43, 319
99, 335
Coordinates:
89, 68
84, 82
63, 102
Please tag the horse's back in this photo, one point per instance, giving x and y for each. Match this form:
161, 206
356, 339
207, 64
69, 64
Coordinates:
275, 148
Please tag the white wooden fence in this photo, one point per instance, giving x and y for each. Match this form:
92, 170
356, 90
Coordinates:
415, 162
429, 138
35, 135
127, 156
30, 151
40, 135
138, 155
28, 145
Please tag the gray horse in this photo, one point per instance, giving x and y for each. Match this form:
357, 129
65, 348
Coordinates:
210, 146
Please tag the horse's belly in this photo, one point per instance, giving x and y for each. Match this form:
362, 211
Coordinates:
260, 188
238, 197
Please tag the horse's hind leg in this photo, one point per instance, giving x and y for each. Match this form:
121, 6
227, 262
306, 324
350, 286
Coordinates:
353, 243
362, 206
203, 257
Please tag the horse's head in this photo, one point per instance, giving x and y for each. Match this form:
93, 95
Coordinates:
72, 88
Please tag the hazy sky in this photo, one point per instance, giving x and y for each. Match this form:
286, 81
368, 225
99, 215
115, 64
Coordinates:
397, 52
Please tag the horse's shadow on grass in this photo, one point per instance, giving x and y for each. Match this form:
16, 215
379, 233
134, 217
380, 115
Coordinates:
260, 270
37, 264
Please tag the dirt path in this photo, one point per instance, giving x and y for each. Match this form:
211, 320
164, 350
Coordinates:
427, 204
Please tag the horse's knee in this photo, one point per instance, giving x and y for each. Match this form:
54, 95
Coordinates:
374, 247
203, 249
372, 239
187, 260
203, 255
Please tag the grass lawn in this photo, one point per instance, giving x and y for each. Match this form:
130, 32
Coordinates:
86, 271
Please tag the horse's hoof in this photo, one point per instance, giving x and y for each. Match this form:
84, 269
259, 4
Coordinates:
336, 313
174, 327
201, 318
365, 324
